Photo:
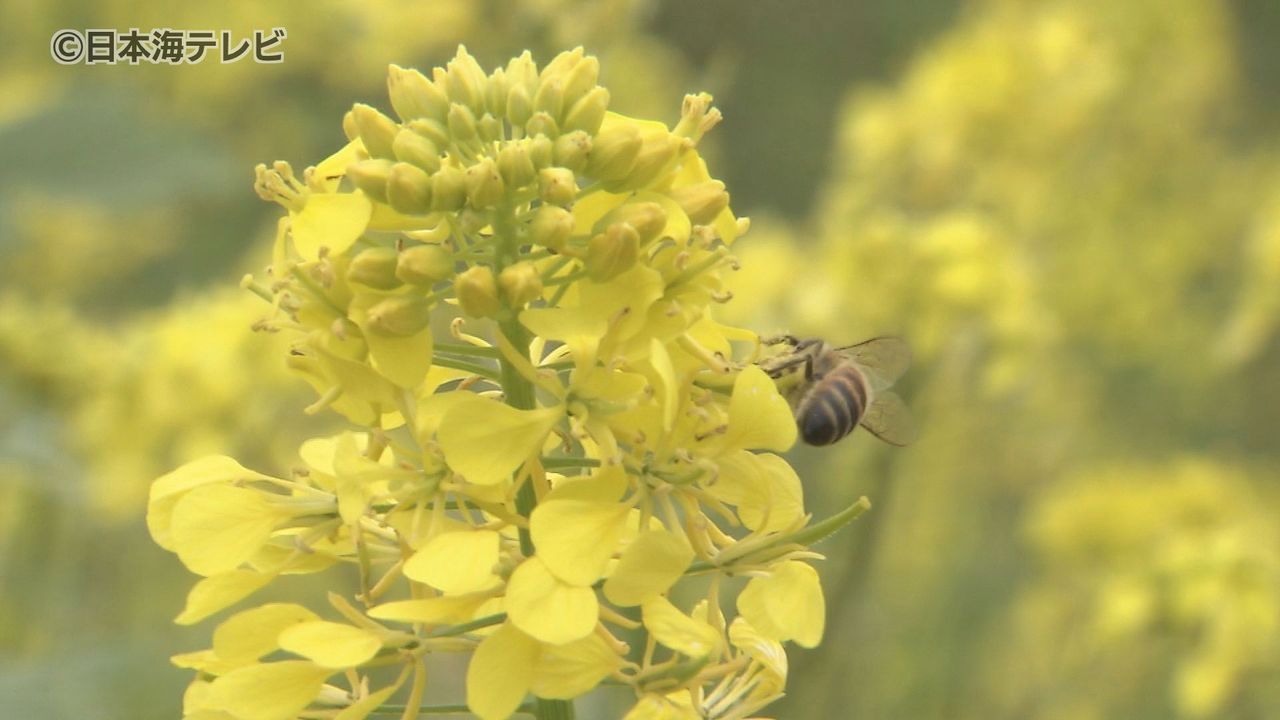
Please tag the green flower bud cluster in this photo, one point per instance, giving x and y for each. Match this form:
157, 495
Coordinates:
467, 139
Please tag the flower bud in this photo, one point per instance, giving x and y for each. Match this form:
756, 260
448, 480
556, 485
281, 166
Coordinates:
409, 189
477, 292
703, 201
471, 221
587, 113
648, 219
541, 151
556, 185
462, 123
495, 93
522, 71
612, 252
375, 268
485, 188
465, 80
376, 130
520, 283
489, 128
542, 124
414, 96
349, 127
519, 105
549, 97
515, 165
561, 64
614, 151
581, 79
424, 265
657, 154
433, 130
401, 316
571, 150
551, 227
411, 147
370, 176
448, 189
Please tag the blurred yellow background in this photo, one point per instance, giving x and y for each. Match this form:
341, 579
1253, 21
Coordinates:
1070, 209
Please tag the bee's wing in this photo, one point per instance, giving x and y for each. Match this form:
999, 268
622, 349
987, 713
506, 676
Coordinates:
889, 419
884, 359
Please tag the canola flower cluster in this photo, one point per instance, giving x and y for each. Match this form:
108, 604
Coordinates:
589, 459
1183, 546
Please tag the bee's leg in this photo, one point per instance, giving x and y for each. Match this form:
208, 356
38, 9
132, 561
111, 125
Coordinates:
780, 339
806, 343
775, 367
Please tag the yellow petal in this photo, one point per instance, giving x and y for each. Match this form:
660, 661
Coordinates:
764, 488
634, 291
660, 360
548, 609
332, 221
446, 609
485, 440
588, 210
678, 631
403, 360
271, 691
359, 380
433, 408
330, 170
605, 485
579, 328
456, 562
500, 672
248, 635
576, 538
208, 715
196, 699
768, 653
168, 488
218, 592
217, 527
649, 566
567, 671
786, 605
676, 706
678, 227
205, 661
759, 417
330, 644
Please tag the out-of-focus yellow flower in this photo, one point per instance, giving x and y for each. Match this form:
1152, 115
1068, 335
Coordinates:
1187, 547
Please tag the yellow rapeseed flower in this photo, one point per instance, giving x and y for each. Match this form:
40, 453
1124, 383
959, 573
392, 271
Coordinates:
588, 436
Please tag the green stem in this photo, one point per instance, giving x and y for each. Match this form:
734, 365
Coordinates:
466, 627
554, 709
558, 463
465, 349
520, 394
392, 709
463, 365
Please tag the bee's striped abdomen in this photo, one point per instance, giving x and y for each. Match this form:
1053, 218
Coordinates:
833, 406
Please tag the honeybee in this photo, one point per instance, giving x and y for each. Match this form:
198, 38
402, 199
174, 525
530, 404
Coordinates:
838, 388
